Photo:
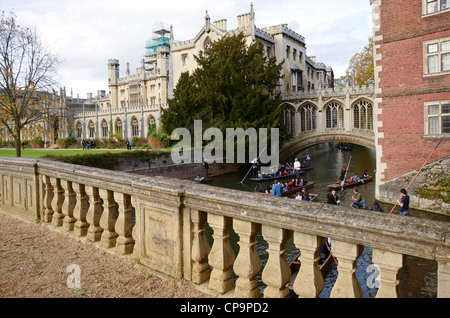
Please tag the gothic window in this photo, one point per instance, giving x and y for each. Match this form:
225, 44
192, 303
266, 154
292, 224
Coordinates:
207, 44
363, 115
91, 130
79, 130
118, 126
289, 119
334, 116
105, 132
134, 127
308, 117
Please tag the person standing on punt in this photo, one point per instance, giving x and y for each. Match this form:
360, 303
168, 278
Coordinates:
404, 203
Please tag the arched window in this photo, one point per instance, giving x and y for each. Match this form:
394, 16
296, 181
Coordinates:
134, 127
334, 115
363, 115
105, 132
207, 44
308, 117
118, 126
79, 130
91, 130
289, 119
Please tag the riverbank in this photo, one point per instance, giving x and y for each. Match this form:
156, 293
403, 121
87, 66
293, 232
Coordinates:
34, 262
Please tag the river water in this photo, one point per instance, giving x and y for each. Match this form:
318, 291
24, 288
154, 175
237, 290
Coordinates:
418, 277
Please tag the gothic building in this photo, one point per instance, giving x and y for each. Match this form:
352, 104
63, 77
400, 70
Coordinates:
135, 101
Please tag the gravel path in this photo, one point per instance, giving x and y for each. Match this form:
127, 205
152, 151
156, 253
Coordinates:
38, 262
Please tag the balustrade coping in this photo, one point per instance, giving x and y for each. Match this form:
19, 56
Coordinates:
406, 235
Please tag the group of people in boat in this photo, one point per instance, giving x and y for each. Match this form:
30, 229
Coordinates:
278, 187
354, 178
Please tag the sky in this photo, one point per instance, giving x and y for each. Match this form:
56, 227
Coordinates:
85, 34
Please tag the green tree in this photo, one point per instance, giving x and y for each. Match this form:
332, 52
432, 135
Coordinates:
232, 87
361, 68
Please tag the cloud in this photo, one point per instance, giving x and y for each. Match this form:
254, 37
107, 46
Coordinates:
84, 34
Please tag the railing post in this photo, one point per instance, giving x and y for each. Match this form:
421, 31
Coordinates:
58, 216
81, 208
221, 256
68, 205
93, 214
389, 264
443, 279
124, 224
309, 282
48, 197
276, 273
108, 219
248, 263
346, 285
200, 248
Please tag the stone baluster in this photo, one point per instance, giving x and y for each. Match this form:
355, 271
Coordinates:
108, 219
309, 282
81, 226
248, 263
124, 224
68, 205
443, 277
388, 263
276, 273
201, 270
346, 285
93, 214
47, 199
58, 216
221, 256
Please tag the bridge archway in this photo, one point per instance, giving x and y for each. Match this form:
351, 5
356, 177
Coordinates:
304, 141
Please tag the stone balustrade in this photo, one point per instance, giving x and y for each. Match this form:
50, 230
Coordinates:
162, 222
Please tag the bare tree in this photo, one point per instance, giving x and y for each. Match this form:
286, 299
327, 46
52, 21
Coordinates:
27, 77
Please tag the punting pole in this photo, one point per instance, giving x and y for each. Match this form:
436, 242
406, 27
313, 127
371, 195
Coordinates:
345, 176
417, 174
252, 165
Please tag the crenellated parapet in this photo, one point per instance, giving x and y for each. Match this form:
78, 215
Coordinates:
162, 222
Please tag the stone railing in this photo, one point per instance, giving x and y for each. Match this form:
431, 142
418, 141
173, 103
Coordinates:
162, 222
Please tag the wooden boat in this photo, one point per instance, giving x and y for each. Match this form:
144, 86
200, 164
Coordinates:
348, 184
312, 196
272, 178
292, 191
295, 190
203, 180
295, 264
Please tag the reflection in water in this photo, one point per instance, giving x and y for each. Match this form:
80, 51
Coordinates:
417, 277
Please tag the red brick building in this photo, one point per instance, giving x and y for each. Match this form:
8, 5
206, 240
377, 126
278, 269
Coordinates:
412, 75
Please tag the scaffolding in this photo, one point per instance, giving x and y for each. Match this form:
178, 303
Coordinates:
161, 38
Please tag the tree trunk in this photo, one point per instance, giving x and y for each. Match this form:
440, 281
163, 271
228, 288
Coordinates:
18, 143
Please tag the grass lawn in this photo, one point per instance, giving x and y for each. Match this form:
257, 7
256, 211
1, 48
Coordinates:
38, 153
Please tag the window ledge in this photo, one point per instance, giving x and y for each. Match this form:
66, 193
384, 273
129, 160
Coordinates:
426, 15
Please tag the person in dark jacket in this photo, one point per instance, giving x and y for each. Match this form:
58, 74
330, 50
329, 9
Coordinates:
332, 198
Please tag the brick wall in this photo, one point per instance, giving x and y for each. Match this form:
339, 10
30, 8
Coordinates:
403, 88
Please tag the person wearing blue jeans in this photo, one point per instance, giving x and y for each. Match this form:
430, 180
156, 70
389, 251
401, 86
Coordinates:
357, 201
404, 203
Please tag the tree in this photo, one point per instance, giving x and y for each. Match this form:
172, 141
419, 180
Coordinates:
361, 68
233, 87
27, 74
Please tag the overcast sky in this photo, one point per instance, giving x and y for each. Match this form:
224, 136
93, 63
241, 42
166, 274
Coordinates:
84, 34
